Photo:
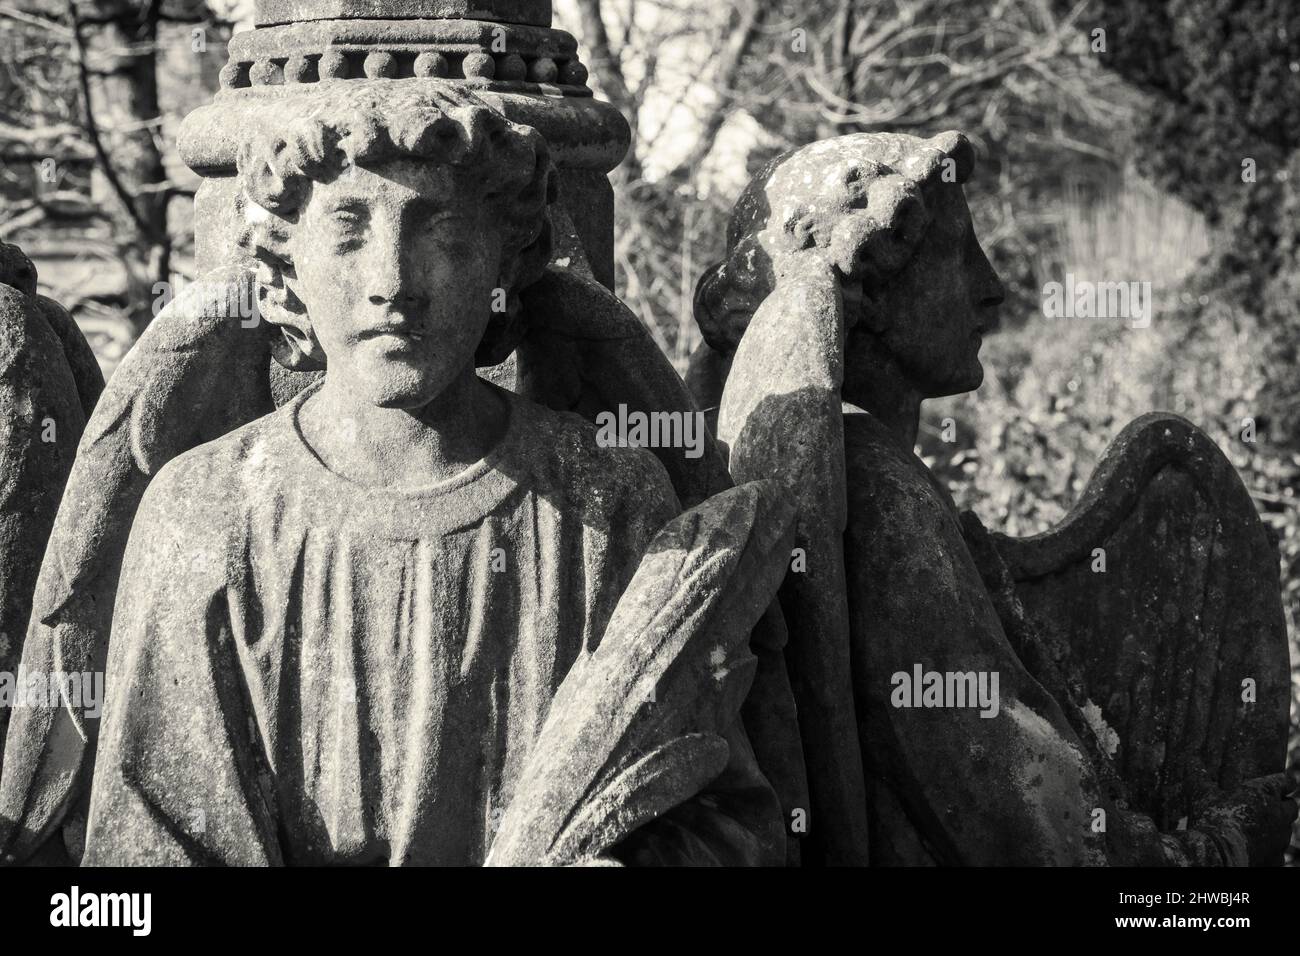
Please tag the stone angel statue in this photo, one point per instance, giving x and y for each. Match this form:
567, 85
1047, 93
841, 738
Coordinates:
49, 383
340, 612
1136, 716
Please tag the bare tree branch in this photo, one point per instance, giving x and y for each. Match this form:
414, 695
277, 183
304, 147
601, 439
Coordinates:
743, 29
92, 127
607, 66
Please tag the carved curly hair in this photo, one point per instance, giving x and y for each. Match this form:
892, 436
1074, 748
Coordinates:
862, 198
369, 123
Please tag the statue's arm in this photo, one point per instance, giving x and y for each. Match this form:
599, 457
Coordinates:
176, 781
1006, 784
781, 420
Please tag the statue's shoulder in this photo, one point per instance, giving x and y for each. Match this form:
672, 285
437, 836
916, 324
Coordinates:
565, 457
202, 489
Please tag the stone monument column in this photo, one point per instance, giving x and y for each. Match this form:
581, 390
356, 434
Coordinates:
504, 50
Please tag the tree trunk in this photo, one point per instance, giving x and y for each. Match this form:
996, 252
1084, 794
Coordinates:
118, 51
607, 68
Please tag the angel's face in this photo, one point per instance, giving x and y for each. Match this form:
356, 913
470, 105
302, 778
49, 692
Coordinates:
933, 314
396, 265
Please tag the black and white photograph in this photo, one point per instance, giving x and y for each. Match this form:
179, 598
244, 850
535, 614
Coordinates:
857, 440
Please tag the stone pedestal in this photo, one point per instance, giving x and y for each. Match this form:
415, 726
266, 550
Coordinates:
505, 50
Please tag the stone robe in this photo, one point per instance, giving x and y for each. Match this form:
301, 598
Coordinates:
304, 670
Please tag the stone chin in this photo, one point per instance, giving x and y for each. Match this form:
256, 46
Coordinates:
966, 375
971, 378
400, 386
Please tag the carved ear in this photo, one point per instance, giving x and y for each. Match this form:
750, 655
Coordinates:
705, 306
296, 352
728, 294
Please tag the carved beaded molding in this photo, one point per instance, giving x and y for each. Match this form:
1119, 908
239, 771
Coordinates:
504, 56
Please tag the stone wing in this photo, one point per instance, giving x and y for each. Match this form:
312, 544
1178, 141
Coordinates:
638, 726
586, 352
1155, 606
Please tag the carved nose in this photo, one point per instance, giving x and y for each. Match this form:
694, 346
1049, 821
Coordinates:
388, 274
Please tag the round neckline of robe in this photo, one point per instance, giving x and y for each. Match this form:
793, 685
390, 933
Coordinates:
485, 469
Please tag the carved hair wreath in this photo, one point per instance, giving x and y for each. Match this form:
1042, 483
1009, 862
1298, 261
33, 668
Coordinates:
861, 198
364, 125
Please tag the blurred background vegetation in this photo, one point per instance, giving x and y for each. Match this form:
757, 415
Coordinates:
1120, 140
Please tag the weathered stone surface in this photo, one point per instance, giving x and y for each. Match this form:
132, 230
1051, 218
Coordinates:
402, 564
196, 373
266, 12
642, 723
781, 418
862, 247
1160, 652
812, 229
1018, 781
584, 351
47, 387
494, 55
354, 653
